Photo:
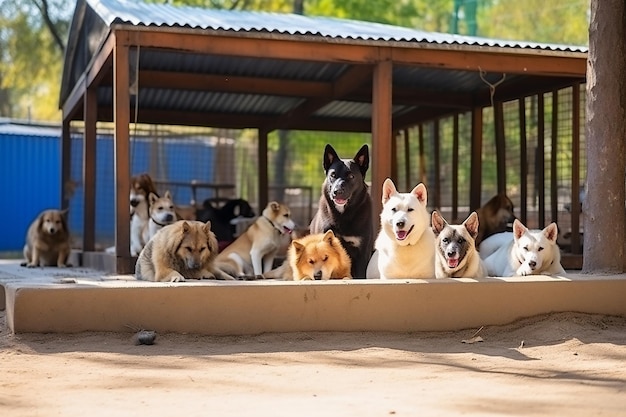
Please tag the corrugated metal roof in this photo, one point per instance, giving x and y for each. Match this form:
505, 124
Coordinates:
139, 13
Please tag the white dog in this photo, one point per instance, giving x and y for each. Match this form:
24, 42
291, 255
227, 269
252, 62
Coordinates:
523, 252
405, 246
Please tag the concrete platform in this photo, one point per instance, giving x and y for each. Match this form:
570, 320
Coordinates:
82, 299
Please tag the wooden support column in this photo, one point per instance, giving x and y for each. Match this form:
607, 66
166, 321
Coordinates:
435, 197
395, 175
498, 119
477, 164
121, 120
523, 213
575, 213
455, 167
66, 162
540, 162
380, 154
554, 195
422, 152
263, 180
407, 160
90, 112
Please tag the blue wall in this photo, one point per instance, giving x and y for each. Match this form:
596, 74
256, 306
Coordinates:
30, 176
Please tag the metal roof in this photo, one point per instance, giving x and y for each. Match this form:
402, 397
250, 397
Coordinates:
139, 13
265, 85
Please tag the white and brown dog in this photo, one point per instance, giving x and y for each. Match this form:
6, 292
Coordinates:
456, 255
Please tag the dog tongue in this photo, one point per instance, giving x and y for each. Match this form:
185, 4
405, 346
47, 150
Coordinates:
287, 230
401, 234
453, 263
340, 201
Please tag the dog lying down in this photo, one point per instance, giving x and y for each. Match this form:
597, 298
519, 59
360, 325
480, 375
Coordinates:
523, 252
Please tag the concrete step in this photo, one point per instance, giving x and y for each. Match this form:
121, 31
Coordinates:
80, 299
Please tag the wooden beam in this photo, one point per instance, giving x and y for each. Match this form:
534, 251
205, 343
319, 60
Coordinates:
407, 159
436, 196
66, 164
263, 179
540, 162
455, 167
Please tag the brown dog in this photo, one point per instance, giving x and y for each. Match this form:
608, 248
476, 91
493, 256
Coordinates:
185, 249
495, 216
48, 240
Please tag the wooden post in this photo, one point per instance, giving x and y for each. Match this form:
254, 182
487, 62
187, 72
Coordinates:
498, 119
540, 162
575, 211
477, 165
436, 196
554, 195
381, 133
455, 167
89, 169
121, 120
407, 160
66, 162
263, 180
422, 152
523, 140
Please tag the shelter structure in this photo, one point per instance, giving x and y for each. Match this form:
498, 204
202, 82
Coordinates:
130, 62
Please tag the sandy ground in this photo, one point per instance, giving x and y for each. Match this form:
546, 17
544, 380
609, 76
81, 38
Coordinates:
562, 364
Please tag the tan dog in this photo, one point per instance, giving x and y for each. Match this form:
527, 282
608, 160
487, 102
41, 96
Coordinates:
141, 186
48, 240
314, 257
254, 251
495, 216
162, 213
456, 255
185, 249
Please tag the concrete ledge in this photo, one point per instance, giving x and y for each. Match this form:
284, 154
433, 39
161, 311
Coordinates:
236, 308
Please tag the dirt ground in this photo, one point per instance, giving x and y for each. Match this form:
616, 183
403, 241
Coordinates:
561, 364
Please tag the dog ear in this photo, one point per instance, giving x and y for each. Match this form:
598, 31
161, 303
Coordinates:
518, 229
168, 195
330, 156
186, 227
420, 192
299, 247
362, 158
389, 188
274, 205
551, 232
438, 222
329, 237
152, 198
471, 224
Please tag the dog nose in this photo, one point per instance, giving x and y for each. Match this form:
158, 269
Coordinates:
532, 264
169, 218
451, 253
318, 275
52, 230
400, 224
134, 202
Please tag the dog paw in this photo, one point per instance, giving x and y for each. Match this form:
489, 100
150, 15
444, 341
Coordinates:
178, 278
31, 265
524, 270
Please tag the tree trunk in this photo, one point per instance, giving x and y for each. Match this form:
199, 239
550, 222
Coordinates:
605, 215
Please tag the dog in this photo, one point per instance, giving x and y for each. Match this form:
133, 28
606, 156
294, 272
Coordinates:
314, 257
345, 206
224, 218
405, 246
456, 255
254, 251
161, 212
141, 187
523, 252
495, 216
182, 250
48, 241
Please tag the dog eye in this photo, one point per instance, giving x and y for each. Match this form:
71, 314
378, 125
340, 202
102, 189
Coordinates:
394, 209
351, 176
202, 249
285, 215
410, 209
461, 240
325, 258
189, 248
540, 249
526, 248
333, 175
446, 240
311, 261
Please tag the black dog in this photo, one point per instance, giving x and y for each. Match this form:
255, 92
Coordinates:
345, 206
221, 216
